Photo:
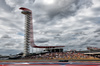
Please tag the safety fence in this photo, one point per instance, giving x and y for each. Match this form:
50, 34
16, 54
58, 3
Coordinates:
49, 64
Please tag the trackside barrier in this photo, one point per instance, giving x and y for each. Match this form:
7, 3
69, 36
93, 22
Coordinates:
49, 64
43, 65
82, 65
32, 65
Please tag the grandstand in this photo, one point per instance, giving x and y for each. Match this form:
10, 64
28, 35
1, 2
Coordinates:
62, 56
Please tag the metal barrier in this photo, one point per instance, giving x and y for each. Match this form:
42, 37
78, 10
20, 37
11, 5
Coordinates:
49, 64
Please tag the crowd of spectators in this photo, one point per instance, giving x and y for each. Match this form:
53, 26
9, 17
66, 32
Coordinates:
60, 55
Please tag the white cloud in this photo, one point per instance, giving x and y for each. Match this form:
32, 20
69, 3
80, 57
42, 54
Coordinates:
68, 22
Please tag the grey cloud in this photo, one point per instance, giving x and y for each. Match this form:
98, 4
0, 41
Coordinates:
97, 30
68, 8
84, 44
71, 46
97, 9
42, 40
19, 3
5, 7
14, 45
81, 46
4, 19
12, 3
32, 1
94, 43
88, 40
10, 23
9, 44
98, 34
95, 20
58, 11
97, 40
48, 16
92, 19
5, 36
9, 51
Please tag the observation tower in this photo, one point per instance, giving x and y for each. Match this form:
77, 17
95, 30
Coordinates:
29, 40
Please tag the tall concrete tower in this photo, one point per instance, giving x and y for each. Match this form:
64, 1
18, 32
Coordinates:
29, 38
27, 31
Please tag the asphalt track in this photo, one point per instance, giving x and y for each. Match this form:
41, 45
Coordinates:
48, 64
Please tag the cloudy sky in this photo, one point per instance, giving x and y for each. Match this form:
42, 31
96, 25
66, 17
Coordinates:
73, 23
